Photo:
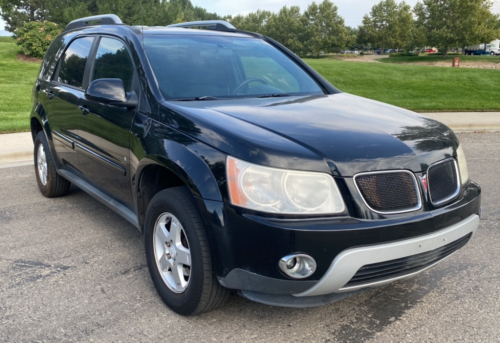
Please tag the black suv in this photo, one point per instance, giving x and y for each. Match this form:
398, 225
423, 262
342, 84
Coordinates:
244, 168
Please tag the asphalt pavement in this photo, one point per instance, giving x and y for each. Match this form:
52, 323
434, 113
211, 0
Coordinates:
73, 270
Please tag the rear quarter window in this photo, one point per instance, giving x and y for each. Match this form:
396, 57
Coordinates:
50, 61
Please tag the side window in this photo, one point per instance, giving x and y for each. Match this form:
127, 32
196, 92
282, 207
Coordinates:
113, 61
73, 62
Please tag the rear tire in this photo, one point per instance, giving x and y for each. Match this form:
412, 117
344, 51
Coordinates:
492, 53
49, 182
197, 290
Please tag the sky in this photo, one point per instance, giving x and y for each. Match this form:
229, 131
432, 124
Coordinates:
352, 10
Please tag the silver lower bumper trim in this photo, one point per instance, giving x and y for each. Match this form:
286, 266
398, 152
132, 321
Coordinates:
347, 263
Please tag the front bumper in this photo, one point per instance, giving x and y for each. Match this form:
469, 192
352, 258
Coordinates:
347, 263
246, 247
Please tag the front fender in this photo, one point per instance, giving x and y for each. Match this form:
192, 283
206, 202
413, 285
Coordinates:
191, 167
200, 167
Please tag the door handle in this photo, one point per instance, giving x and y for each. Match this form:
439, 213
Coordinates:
50, 94
85, 110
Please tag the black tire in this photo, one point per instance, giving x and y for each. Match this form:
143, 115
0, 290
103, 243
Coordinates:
492, 53
55, 185
203, 293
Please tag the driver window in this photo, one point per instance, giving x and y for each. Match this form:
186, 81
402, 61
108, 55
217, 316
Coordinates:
113, 61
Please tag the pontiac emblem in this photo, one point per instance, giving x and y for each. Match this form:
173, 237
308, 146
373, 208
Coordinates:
423, 181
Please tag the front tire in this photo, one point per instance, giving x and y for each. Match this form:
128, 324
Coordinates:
49, 182
178, 254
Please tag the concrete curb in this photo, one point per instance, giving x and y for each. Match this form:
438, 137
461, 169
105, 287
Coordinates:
18, 147
468, 121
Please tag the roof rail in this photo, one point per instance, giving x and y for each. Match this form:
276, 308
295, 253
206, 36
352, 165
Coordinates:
104, 19
217, 25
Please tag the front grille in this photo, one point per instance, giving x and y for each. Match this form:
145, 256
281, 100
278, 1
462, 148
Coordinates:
443, 181
403, 266
388, 192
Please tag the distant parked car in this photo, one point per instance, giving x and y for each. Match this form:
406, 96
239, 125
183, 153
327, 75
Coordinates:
386, 51
430, 51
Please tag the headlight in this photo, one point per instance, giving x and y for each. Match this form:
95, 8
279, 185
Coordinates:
282, 191
462, 165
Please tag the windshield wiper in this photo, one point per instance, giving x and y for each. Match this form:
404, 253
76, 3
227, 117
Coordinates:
198, 98
276, 95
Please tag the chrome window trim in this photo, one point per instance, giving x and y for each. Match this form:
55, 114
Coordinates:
417, 188
58, 134
459, 182
63, 139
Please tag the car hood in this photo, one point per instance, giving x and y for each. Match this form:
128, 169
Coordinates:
339, 133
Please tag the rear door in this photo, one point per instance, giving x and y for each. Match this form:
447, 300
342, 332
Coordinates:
64, 92
105, 129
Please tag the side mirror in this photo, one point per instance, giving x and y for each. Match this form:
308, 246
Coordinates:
110, 91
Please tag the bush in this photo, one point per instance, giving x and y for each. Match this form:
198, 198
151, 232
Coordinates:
442, 53
34, 37
403, 54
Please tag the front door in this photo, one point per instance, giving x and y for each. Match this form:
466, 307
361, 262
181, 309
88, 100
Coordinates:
105, 129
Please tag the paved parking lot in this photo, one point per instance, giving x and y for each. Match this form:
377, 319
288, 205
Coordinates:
72, 270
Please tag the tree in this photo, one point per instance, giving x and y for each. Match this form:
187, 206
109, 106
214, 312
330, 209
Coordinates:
449, 23
480, 25
417, 38
286, 28
324, 29
351, 38
388, 25
255, 21
131, 12
17, 12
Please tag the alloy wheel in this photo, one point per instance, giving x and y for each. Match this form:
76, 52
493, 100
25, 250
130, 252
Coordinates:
172, 253
41, 161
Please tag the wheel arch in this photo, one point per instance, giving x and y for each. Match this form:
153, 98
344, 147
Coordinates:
156, 173
39, 122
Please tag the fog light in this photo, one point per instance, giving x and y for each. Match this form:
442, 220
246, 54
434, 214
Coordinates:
298, 266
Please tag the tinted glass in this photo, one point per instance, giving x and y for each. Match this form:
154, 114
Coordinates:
270, 70
113, 61
224, 67
74, 60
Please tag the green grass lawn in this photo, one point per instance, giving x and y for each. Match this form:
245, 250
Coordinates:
418, 88
439, 58
16, 80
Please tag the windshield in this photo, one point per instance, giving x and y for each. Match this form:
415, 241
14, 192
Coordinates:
213, 67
